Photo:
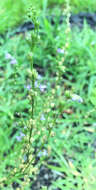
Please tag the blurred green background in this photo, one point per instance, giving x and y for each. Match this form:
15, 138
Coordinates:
13, 12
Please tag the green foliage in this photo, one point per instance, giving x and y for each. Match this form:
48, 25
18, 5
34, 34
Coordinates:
87, 5
12, 14
54, 112
74, 139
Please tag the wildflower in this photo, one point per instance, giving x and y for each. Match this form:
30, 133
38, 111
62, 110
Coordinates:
59, 50
19, 137
28, 86
8, 56
36, 84
39, 77
42, 87
43, 153
77, 98
42, 117
13, 61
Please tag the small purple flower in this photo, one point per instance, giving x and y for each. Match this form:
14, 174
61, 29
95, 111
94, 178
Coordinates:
42, 87
19, 137
43, 153
36, 84
13, 62
28, 86
39, 77
8, 56
59, 50
77, 98
22, 134
42, 117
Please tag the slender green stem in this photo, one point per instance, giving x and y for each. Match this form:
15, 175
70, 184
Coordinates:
32, 101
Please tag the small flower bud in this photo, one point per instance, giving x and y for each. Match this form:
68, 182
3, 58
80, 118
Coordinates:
30, 55
34, 73
67, 93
